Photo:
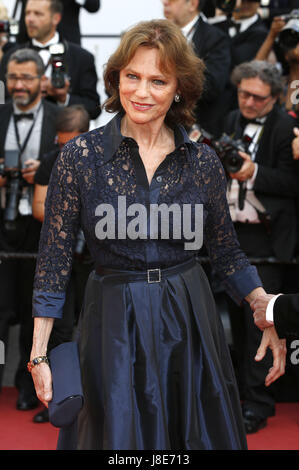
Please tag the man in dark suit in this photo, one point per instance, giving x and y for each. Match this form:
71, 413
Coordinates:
282, 310
69, 27
265, 214
212, 46
42, 18
246, 32
27, 131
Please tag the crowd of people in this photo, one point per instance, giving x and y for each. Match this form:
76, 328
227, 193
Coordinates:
246, 109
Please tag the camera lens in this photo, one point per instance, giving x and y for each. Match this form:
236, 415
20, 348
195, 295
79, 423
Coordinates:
289, 38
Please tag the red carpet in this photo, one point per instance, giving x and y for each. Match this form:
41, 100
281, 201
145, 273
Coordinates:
18, 432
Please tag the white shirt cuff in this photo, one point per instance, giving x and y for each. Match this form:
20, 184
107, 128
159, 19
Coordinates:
269, 309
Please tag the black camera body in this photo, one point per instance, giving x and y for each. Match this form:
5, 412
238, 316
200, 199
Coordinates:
226, 148
10, 169
58, 74
228, 151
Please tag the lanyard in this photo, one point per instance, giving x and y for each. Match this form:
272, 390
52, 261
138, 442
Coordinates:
22, 147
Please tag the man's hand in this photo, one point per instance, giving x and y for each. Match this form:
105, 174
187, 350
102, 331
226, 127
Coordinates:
276, 26
259, 307
247, 169
279, 351
59, 94
28, 173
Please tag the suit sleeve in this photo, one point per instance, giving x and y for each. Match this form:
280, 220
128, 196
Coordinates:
282, 178
217, 61
85, 90
286, 315
245, 52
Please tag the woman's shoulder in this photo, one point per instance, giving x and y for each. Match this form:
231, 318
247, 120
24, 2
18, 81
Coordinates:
85, 144
204, 155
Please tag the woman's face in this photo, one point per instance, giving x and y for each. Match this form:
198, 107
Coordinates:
146, 93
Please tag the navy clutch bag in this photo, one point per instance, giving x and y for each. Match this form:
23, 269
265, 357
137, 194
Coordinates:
67, 398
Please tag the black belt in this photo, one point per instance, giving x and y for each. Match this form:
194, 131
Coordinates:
150, 275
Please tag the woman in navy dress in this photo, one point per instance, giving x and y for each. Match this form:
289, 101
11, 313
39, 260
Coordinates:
156, 369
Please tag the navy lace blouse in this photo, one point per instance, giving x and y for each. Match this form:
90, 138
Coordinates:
95, 182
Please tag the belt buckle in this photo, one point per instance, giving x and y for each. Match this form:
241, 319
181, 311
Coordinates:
153, 275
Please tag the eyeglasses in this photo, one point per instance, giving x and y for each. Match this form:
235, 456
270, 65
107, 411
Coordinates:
245, 95
25, 79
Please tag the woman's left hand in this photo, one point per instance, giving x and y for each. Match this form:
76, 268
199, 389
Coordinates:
279, 351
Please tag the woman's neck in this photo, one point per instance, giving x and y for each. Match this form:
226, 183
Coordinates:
146, 135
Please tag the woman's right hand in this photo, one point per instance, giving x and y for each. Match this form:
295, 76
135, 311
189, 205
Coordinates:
42, 378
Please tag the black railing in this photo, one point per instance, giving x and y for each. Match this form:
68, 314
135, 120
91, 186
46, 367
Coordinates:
202, 259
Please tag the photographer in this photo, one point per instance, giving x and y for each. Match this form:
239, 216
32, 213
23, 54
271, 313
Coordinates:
67, 63
246, 32
27, 131
265, 222
69, 26
244, 27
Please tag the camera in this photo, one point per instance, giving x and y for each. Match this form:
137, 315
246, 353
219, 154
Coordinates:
226, 148
289, 36
9, 168
58, 65
228, 151
11, 28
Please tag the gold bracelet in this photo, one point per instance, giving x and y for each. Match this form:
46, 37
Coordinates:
35, 361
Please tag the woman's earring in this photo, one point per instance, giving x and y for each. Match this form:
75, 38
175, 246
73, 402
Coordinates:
177, 98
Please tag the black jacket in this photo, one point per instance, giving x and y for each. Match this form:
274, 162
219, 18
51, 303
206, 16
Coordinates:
69, 26
212, 46
245, 45
286, 315
276, 184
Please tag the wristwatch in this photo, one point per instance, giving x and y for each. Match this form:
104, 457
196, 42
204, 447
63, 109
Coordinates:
35, 361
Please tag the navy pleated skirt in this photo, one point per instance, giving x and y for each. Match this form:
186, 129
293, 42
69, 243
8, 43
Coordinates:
156, 369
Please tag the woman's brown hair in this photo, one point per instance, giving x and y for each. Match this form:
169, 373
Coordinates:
175, 54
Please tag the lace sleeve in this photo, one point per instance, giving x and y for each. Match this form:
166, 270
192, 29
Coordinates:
228, 260
58, 235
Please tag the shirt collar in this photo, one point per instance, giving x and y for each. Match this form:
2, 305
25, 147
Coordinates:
112, 137
188, 29
247, 22
53, 40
